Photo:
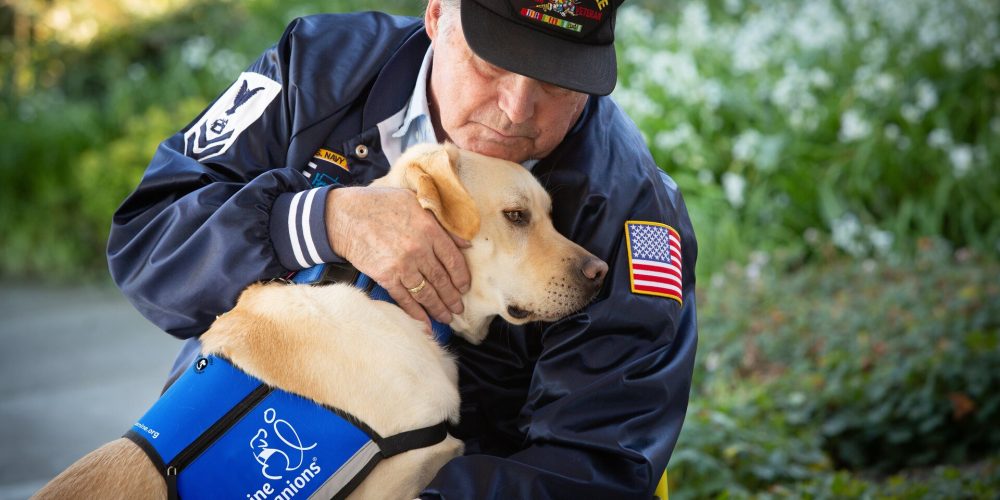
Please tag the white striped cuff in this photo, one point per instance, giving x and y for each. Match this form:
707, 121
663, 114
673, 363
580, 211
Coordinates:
298, 229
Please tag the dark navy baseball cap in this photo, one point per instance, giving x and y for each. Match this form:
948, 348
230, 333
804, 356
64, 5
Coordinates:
569, 43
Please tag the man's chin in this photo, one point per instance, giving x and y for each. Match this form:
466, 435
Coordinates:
514, 149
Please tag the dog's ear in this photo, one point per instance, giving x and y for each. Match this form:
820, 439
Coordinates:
434, 177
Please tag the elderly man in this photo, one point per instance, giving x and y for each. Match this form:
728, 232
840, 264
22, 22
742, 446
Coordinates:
273, 178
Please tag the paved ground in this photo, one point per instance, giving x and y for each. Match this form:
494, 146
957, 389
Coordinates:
77, 367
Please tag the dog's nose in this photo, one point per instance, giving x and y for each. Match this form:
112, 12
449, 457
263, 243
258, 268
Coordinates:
594, 270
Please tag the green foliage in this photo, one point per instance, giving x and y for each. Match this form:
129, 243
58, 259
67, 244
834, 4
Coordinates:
875, 122
77, 142
869, 366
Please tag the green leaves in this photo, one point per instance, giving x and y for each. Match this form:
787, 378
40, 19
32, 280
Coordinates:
873, 367
877, 116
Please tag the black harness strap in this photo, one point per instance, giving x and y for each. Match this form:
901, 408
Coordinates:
412, 440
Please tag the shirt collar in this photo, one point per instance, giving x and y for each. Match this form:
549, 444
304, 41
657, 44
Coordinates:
417, 107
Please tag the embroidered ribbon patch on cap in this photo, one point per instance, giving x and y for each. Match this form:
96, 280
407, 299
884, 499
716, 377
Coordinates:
654, 259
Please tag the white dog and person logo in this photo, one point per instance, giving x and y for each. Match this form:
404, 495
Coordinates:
280, 452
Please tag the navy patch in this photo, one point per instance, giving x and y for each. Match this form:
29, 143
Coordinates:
243, 104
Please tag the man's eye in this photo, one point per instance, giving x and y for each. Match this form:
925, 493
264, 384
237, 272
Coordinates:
556, 90
517, 217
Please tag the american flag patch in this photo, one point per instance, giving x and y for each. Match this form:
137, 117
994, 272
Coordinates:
654, 259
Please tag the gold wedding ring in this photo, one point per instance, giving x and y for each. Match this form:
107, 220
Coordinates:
417, 288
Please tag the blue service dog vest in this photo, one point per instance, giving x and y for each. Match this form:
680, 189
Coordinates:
218, 432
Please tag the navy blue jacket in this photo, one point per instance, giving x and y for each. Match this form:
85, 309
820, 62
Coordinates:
590, 406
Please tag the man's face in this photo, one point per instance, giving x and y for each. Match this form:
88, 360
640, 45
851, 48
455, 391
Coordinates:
491, 111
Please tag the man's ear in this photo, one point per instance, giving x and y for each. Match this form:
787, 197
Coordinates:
432, 14
434, 177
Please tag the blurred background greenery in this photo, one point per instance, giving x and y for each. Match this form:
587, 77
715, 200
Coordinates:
839, 159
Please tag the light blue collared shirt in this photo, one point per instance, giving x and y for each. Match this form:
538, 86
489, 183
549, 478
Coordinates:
417, 127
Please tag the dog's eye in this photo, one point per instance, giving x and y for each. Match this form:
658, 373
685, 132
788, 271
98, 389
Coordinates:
517, 217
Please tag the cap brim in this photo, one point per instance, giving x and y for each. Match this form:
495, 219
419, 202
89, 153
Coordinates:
587, 68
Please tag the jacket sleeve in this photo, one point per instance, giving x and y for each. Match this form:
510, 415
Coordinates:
217, 208
609, 391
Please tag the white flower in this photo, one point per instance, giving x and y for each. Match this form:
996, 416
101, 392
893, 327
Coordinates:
881, 240
746, 144
845, 233
667, 140
792, 90
811, 235
911, 113
751, 44
820, 79
927, 96
875, 52
797, 398
891, 132
758, 261
226, 63
961, 159
734, 185
136, 72
939, 138
705, 177
853, 126
635, 20
694, 26
869, 266
196, 51
953, 59
885, 83
818, 26
635, 102
712, 361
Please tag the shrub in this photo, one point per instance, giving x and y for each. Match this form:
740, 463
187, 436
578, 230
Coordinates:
873, 366
76, 142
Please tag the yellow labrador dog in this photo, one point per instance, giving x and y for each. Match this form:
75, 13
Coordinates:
339, 348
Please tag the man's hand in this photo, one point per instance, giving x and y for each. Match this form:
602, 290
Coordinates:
387, 235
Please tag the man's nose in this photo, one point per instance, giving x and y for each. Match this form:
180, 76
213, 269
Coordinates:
518, 95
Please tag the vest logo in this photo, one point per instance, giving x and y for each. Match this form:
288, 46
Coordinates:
284, 452
278, 449
238, 108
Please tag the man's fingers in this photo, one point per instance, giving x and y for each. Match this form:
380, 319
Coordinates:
409, 305
454, 264
447, 294
460, 242
429, 298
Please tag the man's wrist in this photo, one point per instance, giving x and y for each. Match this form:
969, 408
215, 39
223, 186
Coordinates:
337, 219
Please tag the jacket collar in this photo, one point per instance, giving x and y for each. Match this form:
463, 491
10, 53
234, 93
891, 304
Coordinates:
392, 89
